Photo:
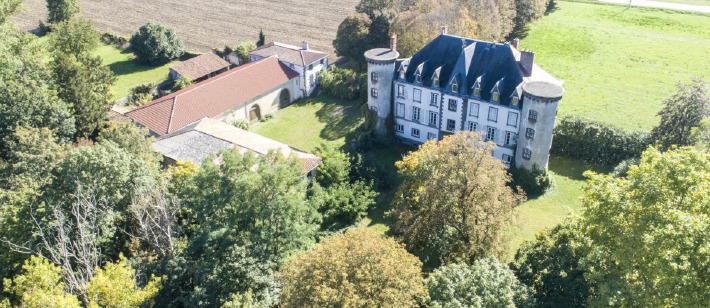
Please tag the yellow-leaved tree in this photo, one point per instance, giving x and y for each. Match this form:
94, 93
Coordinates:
40, 285
115, 286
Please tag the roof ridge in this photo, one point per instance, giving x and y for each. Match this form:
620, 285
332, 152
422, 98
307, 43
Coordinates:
172, 113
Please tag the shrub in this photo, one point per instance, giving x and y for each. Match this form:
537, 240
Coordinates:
597, 142
241, 123
622, 169
341, 83
156, 44
141, 94
110, 38
534, 182
182, 83
267, 117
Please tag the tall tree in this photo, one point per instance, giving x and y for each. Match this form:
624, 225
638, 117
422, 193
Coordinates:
649, 231
359, 268
115, 286
681, 113
262, 38
374, 8
454, 202
61, 10
351, 38
75, 37
156, 44
485, 283
40, 285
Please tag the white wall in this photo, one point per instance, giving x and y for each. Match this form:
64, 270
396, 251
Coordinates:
268, 103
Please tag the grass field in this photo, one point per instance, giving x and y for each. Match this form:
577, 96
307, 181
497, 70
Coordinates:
128, 72
619, 63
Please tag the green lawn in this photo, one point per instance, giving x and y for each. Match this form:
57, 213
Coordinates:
129, 73
619, 63
310, 122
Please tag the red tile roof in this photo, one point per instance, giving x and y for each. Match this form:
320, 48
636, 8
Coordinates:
213, 96
200, 66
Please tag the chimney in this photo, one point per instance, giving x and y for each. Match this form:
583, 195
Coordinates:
526, 61
444, 29
393, 42
304, 45
516, 42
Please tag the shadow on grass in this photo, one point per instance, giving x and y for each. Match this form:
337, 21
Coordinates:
127, 67
574, 169
340, 117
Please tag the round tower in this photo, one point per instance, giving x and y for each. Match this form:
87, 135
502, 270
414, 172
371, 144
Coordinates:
380, 72
540, 101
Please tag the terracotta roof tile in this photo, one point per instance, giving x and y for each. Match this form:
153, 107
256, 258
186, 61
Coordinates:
201, 66
213, 96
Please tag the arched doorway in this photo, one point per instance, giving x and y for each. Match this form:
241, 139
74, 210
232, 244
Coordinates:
284, 98
254, 113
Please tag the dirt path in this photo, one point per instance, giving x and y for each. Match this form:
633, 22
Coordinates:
663, 5
205, 24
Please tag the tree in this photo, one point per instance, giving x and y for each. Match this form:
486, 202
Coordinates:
156, 44
649, 231
155, 212
243, 50
85, 84
40, 285
61, 10
343, 204
351, 38
115, 286
132, 139
485, 283
454, 202
75, 36
701, 135
550, 264
262, 38
8, 8
374, 8
359, 268
681, 113
335, 168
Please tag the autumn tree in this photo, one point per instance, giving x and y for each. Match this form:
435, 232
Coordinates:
40, 285
485, 283
681, 113
61, 10
454, 203
649, 231
359, 268
114, 286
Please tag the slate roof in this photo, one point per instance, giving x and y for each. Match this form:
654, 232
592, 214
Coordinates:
199, 140
289, 53
200, 66
213, 96
467, 60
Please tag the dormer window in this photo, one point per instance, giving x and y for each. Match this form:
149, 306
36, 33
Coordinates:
401, 73
515, 100
435, 81
455, 86
495, 96
418, 77
477, 90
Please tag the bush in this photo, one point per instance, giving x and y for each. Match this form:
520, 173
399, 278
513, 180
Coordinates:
110, 38
156, 44
267, 117
241, 123
341, 83
141, 94
623, 167
597, 142
182, 83
534, 182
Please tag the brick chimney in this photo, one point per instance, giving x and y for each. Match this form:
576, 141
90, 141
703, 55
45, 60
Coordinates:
304, 45
393, 42
444, 29
515, 42
527, 58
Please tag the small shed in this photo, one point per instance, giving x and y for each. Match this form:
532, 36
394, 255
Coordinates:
200, 68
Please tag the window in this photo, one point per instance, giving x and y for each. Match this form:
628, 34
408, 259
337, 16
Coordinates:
452, 104
433, 118
495, 96
493, 114
416, 112
430, 136
491, 133
515, 100
399, 128
477, 90
418, 78
417, 95
510, 138
373, 92
530, 133
434, 99
472, 126
401, 74
415, 132
512, 119
313, 81
322, 61
473, 109
400, 90
373, 76
527, 154
400, 110
507, 159
455, 86
435, 82
310, 67
533, 115
450, 125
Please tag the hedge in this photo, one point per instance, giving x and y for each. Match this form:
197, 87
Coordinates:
597, 142
341, 83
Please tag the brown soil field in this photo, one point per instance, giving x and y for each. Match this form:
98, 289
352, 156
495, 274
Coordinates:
206, 24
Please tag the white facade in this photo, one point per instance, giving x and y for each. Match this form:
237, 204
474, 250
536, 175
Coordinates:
309, 76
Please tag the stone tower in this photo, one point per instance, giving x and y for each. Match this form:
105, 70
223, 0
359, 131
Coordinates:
540, 100
380, 72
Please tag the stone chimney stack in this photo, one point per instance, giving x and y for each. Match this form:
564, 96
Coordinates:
444, 29
304, 45
393, 42
527, 58
516, 42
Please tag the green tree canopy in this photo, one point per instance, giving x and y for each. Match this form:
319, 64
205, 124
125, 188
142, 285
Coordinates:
61, 10
359, 268
114, 286
454, 202
40, 285
351, 38
75, 37
7, 8
681, 113
649, 231
156, 44
485, 283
